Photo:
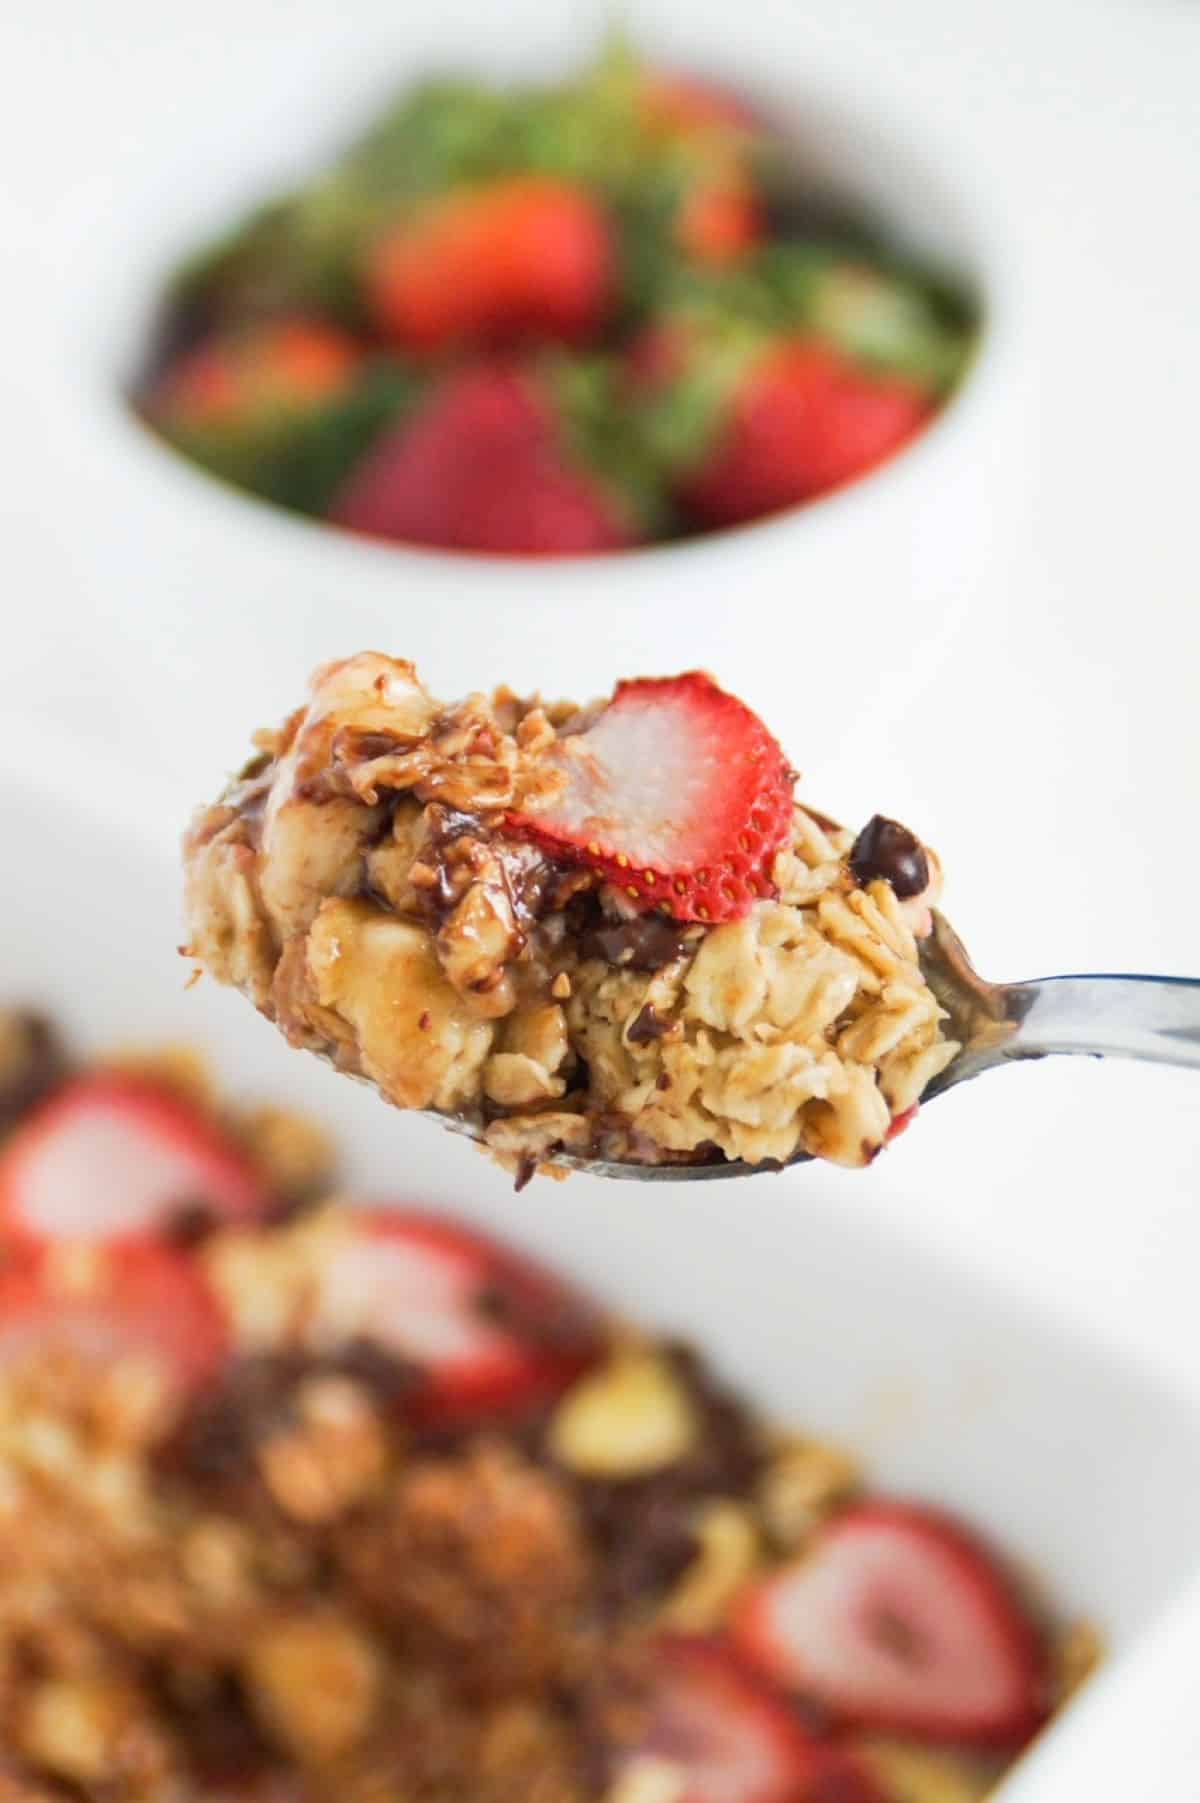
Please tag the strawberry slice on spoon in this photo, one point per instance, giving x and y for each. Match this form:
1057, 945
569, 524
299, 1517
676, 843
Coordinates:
110, 1156
676, 794
898, 1620
484, 1330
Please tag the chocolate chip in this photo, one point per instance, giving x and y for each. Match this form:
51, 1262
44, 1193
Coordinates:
190, 1225
388, 1378
642, 1528
888, 850
647, 1026
646, 943
526, 1171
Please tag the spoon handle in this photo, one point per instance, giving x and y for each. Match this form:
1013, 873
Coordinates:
1154, 1019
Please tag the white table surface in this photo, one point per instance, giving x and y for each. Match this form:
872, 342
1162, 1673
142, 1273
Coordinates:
1051, 747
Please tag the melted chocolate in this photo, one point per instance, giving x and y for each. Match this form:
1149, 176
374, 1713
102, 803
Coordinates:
647, 1026
645, 943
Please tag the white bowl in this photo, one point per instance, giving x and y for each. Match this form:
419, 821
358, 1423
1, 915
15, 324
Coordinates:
837, 611
951, 1388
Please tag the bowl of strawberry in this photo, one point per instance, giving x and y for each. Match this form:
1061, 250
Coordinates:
535, 321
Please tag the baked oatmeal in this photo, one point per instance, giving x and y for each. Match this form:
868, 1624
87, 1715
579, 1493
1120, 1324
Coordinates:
353, 1505
610, 932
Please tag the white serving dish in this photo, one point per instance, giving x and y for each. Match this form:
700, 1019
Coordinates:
952, 1388
231, 603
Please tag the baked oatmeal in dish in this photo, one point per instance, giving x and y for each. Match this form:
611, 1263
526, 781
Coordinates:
304, 1501
610, 932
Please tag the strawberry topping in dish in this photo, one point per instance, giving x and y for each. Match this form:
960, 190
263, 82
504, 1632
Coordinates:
139, 1301
613, 930
896, 1618
483, 1331
732, 1739
110, 1155
334, 1502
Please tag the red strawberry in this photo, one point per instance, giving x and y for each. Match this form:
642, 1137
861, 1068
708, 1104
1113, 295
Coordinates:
255, 372
720, 215
720, 220
116, 1301
898, 1620
677, 793
734, 1739
523, 256
482, 466
902, 1122
682, 105
110, 1156
485, 1330
803, 419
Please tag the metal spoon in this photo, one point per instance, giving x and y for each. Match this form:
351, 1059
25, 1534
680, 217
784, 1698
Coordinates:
1155, 1020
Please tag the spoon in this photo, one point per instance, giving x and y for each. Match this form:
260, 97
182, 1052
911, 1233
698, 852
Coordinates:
1155, 1020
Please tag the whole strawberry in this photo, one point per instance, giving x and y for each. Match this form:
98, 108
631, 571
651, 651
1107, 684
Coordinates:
710, 137
502, 457
281, 406
255, 374
520, 257
750, 422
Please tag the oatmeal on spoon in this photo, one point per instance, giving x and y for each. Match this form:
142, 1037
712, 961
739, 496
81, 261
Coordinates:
609, 933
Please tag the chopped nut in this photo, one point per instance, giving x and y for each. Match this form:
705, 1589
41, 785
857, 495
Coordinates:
730, 1548
333, 1460
649, 1780
1074, 1656
513, 1081
94, 1730
917, 1775
631, 1417
803, 1482
216, 1558
294, 1154
313, 1683
560, 989
132, 1403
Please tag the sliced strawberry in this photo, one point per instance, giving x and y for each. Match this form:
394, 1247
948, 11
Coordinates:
678, 794
255, 372
110, 1156
803, 420
523, 256
898, 1620
902, 1122
484, 1330
482, 466
113, 1302
733, 1738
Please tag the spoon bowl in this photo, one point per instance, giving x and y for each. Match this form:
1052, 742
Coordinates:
1152, 1019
